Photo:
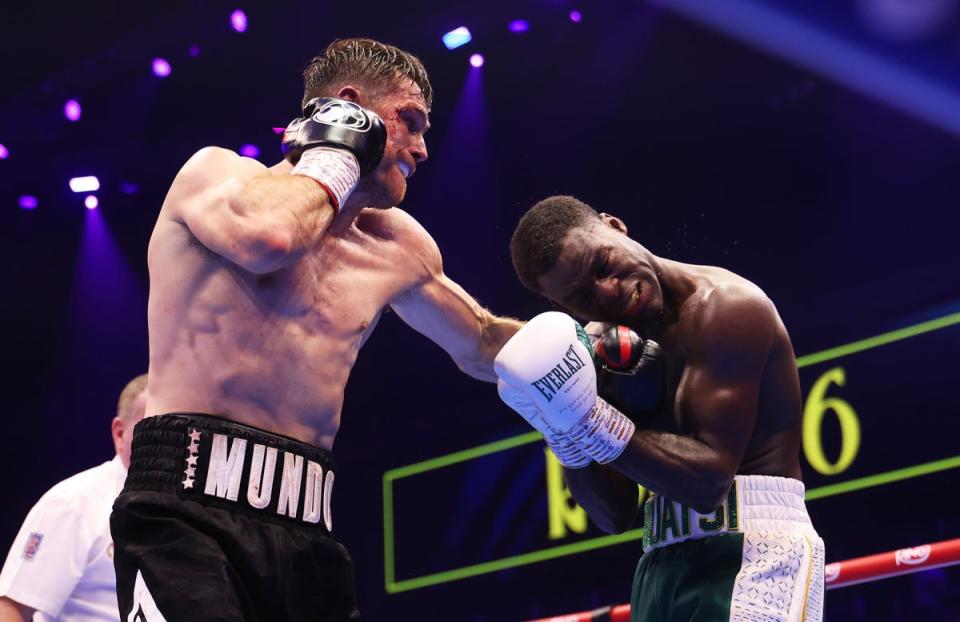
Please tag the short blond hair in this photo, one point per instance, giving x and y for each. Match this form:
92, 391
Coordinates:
129, 394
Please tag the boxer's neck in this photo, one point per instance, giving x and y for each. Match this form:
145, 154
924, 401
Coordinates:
677, 283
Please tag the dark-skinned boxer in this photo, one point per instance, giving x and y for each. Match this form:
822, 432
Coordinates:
727, 534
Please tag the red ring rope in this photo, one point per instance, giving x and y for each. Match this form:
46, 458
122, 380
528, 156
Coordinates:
838, 574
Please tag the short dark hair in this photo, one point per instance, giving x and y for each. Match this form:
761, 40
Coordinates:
538, 238
376, 65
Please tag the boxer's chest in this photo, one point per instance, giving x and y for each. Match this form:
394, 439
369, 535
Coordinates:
342, 287
674, 363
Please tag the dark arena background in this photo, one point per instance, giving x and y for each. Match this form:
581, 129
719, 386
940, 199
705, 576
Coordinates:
811, 147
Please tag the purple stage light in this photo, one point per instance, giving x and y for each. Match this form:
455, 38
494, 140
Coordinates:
4, 154
85, 184
519, 25
161, 68
194, 50
28, 201
249, 151
129, 188
71, 110
91, 201
238, 20
457, 37
476, 60
575, 16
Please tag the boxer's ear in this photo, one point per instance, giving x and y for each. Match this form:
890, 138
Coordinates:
614, 223
117, 428
349, 93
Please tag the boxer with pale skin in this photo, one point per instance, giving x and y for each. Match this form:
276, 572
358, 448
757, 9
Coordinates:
265, 282
262, 294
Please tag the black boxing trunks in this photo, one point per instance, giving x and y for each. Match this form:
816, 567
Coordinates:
223, 521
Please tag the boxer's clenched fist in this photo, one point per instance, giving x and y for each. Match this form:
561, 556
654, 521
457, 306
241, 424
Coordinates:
335, 142
549, 377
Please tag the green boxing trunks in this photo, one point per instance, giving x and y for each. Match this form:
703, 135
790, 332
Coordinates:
757, 558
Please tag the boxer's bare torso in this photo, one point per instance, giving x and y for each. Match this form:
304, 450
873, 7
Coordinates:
275, 349
772, 447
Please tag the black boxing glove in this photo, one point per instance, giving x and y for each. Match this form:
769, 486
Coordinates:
637, 380
334, 143
622, 351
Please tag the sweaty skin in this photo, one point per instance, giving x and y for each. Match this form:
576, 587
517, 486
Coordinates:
261, 296
732, 403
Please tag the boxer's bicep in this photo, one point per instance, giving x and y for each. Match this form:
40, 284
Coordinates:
719, 392
720, 413
235, 208
201, 200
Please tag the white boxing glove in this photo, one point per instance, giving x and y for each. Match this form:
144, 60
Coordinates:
550, 380
567, 452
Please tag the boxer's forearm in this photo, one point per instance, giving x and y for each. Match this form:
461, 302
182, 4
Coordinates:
680, 467
443, 311
609, 498
494, 332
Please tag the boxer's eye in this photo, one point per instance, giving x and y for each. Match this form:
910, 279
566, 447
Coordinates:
601, 264
414, 120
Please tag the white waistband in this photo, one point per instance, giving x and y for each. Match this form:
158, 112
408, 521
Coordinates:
754, 503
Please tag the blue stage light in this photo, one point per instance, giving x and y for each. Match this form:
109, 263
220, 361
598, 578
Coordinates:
457, 37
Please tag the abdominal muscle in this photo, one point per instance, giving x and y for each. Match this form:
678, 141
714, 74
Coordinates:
272, 351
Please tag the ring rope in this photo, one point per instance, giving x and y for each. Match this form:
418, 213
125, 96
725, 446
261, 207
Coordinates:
838, 574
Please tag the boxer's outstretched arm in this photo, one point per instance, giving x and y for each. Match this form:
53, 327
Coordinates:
236, 208
440, 309
450, 317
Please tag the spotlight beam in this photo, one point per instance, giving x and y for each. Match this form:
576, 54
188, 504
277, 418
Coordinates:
828, 55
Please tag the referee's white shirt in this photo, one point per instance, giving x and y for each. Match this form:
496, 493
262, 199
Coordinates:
61, 562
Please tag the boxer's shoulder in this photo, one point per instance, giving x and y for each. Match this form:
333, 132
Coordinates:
411, 239
731, 312
213, 164
205, 170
